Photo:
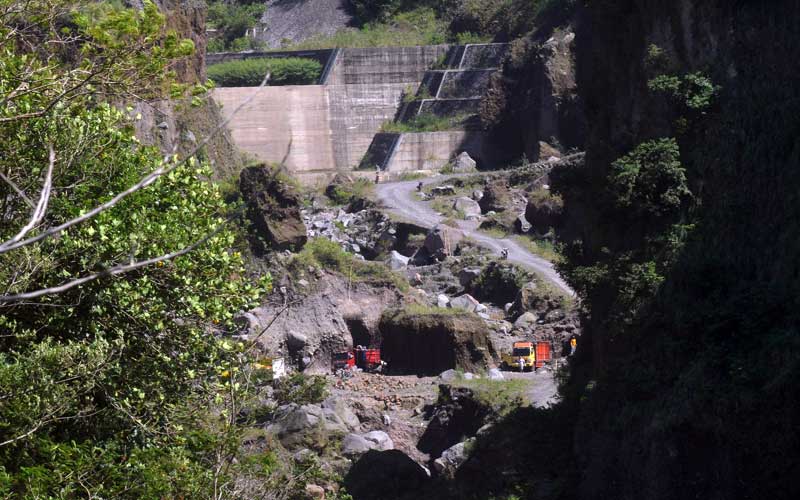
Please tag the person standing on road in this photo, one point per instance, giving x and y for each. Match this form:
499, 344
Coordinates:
521, 364
573, 344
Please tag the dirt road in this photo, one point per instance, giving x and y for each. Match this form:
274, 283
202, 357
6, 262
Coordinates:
398, 197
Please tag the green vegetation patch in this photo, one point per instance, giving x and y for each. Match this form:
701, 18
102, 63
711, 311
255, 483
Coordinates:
231, 19
325, 254
502, 396
251, 72
426, 122
344, 193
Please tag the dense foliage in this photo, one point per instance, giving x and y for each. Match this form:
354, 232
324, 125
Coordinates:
231, 19
106, 387
251, 72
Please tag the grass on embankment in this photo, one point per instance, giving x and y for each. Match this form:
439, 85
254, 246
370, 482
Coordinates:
503, 396
325, 254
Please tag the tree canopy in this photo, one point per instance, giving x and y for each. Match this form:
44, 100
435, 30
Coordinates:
118, 282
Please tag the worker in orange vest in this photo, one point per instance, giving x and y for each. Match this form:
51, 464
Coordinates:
573, 343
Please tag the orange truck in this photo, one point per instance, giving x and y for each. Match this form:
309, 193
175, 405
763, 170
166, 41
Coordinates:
527, 356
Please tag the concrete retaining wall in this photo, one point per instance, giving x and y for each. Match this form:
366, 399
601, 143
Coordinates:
433, 150
290, 121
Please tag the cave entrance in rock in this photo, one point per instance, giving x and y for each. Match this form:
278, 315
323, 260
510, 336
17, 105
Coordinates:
359, 332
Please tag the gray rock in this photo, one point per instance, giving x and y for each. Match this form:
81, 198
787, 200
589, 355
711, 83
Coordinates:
442, 241
527, 320
449, 375
247, 322
452, 458
469, 376
466, 302
295, 340
467, 275
355, 444
521, 224
379, 440
477, 195
480, 308
397, 260
484, 315
163, 125
443, 190
464, 163
342, 411
303, 283
554, 315
484, 430
495, 374
508, 306
442, 300
468, 206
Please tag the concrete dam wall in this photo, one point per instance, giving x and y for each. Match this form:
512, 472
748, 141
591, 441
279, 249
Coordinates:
322, 129
319, 130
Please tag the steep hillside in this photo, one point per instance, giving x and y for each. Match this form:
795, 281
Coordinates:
290, 21
180, 124
687, 261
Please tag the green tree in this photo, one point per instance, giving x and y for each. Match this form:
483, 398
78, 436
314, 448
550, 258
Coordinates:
117, 278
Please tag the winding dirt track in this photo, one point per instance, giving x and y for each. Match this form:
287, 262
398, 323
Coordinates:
398, 197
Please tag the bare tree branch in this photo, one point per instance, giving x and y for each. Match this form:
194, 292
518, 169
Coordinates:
164, 168
111, 271
41, 206
16, 189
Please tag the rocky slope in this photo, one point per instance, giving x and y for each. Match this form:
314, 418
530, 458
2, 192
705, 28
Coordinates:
291, 21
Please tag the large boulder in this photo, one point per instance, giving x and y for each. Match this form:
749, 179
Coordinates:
273, 207
292, 423
499, 282
544, 211
397, 260
385, 475
496, 196
465, 302
467, 275
534, 298
464, 164
469, 207
430, 342
457, 414
453, 457
442, 241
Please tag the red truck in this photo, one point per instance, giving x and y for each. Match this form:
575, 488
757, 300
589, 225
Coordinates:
362, 357
343, 360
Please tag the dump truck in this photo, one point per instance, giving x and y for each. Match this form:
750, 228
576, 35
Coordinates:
343, 360
523, 351
368, 359
362, 357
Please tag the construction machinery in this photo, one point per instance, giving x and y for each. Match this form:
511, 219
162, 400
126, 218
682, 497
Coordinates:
343, 360
362, 357
522, 357
532, 356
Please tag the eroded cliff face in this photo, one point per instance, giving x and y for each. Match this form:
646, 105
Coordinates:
697, 396
532, 105
177, 125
